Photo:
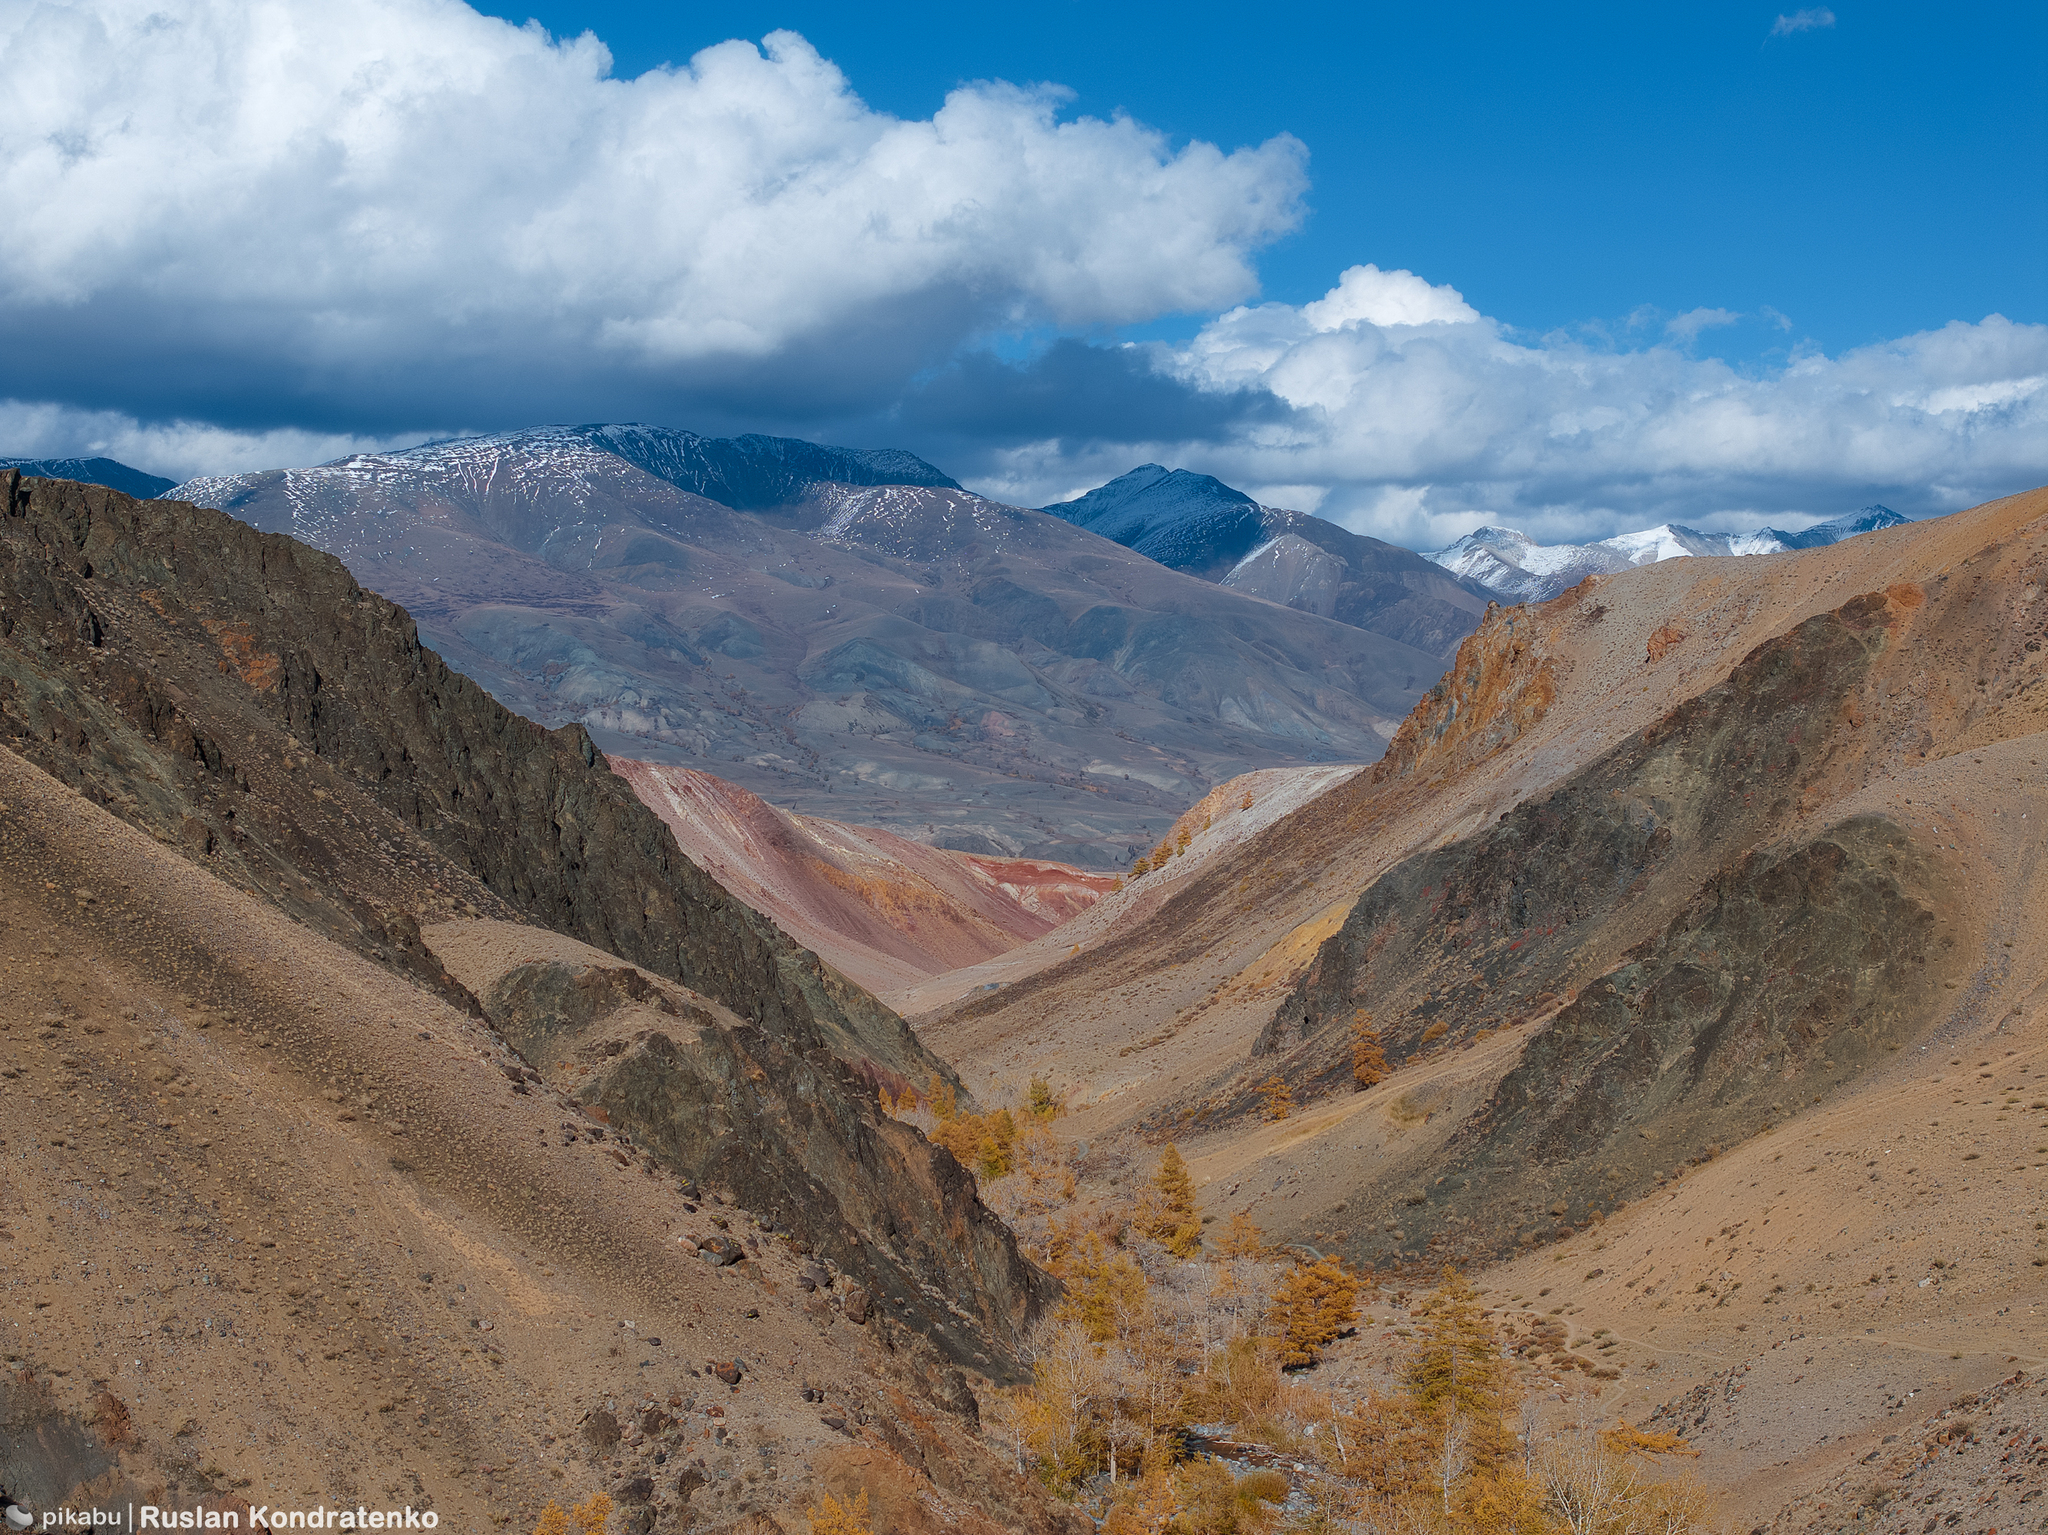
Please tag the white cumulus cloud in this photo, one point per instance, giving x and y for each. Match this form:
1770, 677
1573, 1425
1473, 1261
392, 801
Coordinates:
308, 208
1687, 326
1431, 420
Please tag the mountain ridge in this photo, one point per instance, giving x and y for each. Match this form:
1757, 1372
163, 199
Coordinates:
1197, 524
242, 699
92, 471
917, 658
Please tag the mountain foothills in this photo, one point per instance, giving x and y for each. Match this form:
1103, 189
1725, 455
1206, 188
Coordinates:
414, 1074
883, 910
849, 634
1610, 1074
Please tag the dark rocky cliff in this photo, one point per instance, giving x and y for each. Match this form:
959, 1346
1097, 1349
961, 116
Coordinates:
237, 695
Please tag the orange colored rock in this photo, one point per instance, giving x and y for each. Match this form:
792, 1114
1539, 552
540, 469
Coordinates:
1661, 642
1502, 682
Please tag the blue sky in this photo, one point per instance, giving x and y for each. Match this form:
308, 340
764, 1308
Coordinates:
1561, 165
1569, 269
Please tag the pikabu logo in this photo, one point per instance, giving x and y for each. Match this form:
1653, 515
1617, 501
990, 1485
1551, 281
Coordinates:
150, 1516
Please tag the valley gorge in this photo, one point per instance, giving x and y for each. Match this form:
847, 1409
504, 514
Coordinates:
1691, 873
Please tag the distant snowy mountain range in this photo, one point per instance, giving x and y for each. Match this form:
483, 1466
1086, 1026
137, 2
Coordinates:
1522, 570
1188, 522
91, 471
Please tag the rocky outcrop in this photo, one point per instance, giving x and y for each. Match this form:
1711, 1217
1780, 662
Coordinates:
1789, 973
1500, 684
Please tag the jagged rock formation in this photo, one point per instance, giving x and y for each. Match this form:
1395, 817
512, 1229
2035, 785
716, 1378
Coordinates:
1499, 684
1196, 523
237, 695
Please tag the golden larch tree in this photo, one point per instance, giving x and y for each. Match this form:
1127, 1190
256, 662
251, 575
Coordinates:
1368, 1057
1312, 1305
1459, 1363
831, 1517
1243, 1239
1167, 1211
1106, 1291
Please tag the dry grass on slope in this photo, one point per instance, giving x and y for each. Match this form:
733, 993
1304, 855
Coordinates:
1922, 1144
1792, 1303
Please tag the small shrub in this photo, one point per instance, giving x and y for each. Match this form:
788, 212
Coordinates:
1276, 1099
831, 1517
586, 1518
1040, 1103
1368, 1057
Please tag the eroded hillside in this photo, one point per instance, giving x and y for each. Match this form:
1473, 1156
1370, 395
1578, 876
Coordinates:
284, 1228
